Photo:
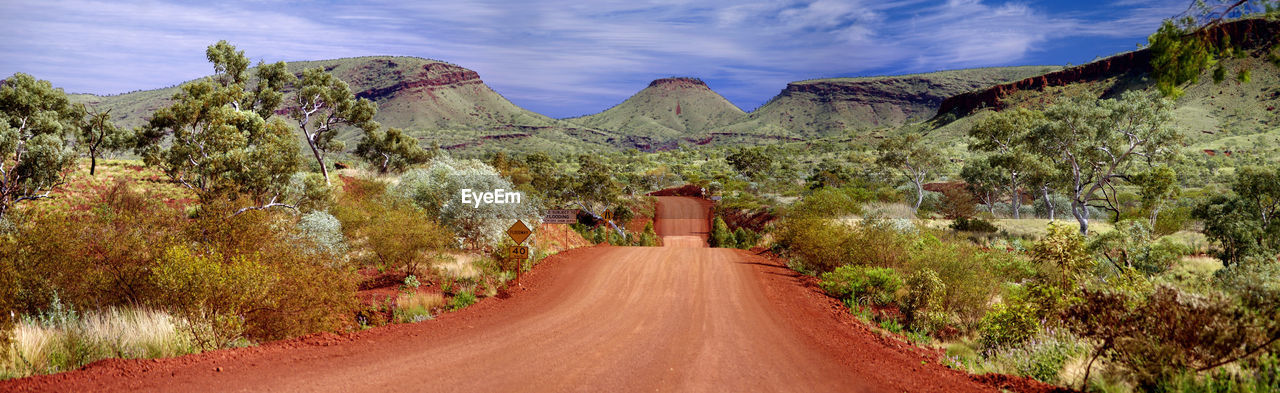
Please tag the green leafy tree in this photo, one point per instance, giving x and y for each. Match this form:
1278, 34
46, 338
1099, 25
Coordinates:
750, 161
594, 186
1245, 224
98, 135
1001, 135
1097, 144
912, 158
392, 150
214, 138
983, 180
34, 153
325, 103
1156, 186
1185, 47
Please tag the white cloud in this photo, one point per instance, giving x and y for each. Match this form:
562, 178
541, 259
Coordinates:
560, 57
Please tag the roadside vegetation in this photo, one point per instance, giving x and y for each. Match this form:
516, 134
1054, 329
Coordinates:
1079, 236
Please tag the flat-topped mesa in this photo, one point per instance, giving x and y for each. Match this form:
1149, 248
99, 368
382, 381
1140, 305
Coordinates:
431, 76
679, 83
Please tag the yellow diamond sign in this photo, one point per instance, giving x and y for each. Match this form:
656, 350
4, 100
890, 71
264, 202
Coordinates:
519, 232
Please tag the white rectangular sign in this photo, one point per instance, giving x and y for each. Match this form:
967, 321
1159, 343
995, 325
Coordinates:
560, 216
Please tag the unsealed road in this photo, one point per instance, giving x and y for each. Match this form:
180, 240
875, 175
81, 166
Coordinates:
677, 318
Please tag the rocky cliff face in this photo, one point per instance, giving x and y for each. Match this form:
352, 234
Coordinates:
826, 107
429, 76
1256, 33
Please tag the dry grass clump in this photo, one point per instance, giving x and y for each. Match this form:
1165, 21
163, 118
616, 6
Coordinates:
62, 339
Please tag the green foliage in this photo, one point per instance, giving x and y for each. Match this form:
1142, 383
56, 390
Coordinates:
395, 232
912, 158
721, 236
1245, 224
35, 156
392, 150
973, 225
1168, 332
1133, 245
863, 285
1178, 57
828, 202
437, 190
214, 138
202, 288
925, 294
323, 232
461, 300
1063, 252
745, 238
751, 162
310, 191
1041, 357
1009, 323
325, 102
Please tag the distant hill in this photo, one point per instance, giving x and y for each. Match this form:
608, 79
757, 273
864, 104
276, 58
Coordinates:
667, 110
1214, 118
833, 107
432, 100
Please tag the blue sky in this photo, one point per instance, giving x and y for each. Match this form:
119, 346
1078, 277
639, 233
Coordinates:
570, 57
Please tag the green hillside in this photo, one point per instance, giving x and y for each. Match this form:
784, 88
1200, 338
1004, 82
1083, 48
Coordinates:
827, 107
666, 110
432, 100
1236, 116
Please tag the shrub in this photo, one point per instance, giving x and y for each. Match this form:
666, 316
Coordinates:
721, 236
1041, 357
462, 299
957, 203
1063, 253
1168, 332
323, 233
973, 225
201, 288
1008, 323
744, 238
924, 293
864, 285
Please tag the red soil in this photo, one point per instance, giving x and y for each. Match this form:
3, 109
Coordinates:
591, 319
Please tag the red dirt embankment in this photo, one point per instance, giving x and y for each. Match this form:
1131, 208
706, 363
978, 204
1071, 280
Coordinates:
591, 319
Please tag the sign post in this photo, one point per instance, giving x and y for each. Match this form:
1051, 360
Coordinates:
518, 253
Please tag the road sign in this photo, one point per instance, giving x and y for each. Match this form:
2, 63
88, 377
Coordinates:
560, 216
608, 215
518, 232
518, 252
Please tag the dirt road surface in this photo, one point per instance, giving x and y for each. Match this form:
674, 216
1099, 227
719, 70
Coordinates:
677, 318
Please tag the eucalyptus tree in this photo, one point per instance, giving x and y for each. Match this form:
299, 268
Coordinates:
96, 134
983, 181
912, 158
35, 154
324, 103
390, 150
1099, 143
1001, 135
216, 139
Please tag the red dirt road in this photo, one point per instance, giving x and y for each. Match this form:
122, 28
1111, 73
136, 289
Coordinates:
676, 318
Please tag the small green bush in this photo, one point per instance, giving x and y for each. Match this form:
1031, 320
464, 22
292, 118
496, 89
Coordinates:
863, 285
1007, 324
721, 236
462, 300
973, 225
